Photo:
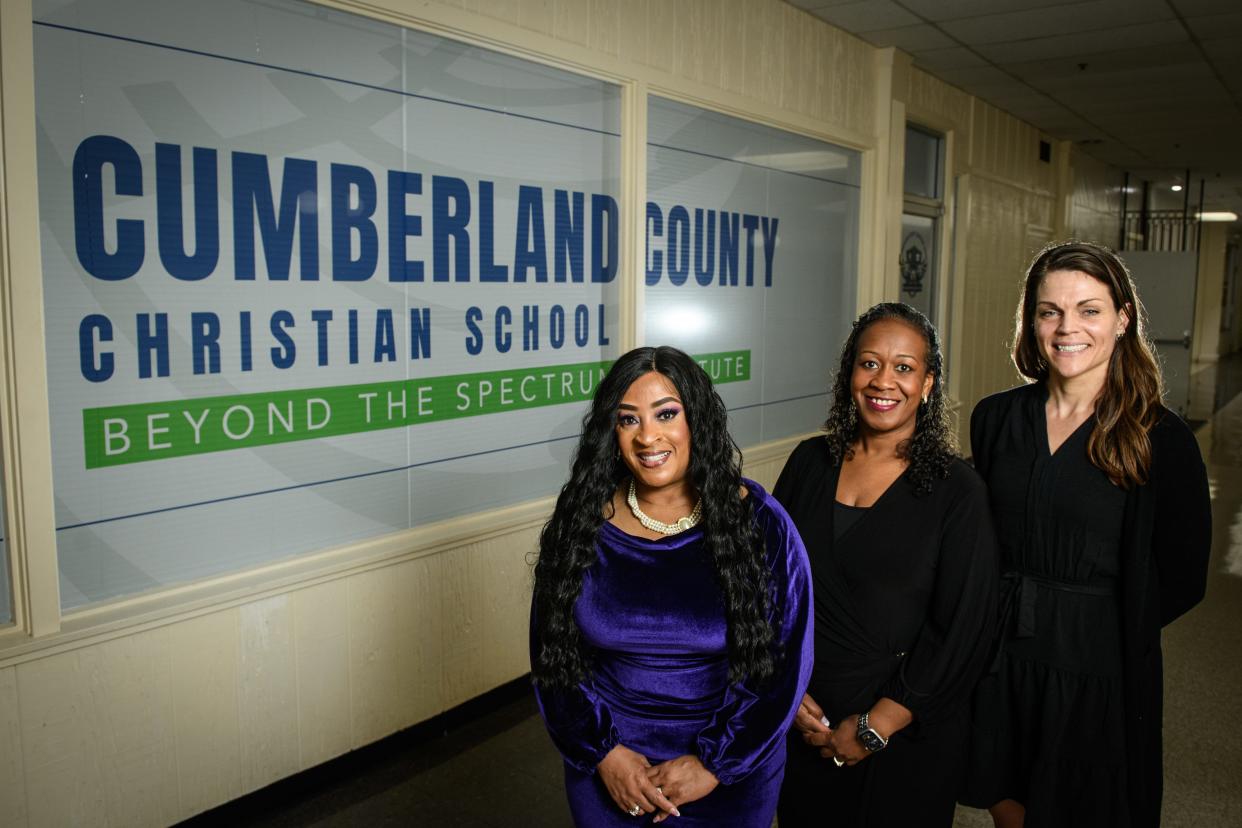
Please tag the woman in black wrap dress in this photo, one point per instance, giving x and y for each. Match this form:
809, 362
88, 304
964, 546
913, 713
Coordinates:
1101, 504
904, 573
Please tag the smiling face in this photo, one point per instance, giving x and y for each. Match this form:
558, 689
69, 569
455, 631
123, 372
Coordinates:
653, 433
889, 378
1076, 325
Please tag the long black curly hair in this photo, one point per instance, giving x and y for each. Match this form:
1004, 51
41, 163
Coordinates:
932, 448
732, 538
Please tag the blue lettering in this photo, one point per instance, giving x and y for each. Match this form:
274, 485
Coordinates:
93, 324
730, 239
750, 223
353, 336
655, 229
489, 271
321, 318
603, 339
385, 337
170, 221
603, 262
704, 260
247, 359
556, 327
205, 342
420, 333
530, 252
284, 354
769, 248
582, 326
402, 225
474, 342
504, 339
567, 239
88, 217
530, 327
252, 194
678, 245
446, 224
348, 217
152, 342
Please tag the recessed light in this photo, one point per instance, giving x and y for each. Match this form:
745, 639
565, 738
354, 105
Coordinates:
1177, 188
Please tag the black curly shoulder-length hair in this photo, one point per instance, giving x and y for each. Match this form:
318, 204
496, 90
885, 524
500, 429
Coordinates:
932, 448
732, 539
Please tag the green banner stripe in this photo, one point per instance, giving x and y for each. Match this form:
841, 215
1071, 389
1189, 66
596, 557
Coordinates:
122, 434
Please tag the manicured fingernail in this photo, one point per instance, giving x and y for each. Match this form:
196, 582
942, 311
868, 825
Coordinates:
824, 719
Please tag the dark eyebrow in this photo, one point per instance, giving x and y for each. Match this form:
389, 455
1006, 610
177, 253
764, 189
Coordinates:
1082, 302
899, 356
655, 404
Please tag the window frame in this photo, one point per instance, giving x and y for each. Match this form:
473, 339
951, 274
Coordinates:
38, 621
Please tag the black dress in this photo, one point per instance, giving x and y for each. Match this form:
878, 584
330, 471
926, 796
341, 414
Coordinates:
1057, 687
1056, 723
904, 601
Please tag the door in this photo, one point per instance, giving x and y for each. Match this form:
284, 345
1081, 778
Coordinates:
1166, 286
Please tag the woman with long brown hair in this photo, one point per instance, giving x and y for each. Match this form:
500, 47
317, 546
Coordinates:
1100, 499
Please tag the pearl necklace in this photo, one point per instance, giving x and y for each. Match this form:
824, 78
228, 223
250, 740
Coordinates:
688, 522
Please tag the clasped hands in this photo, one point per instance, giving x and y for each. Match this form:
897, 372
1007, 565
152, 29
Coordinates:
839, 743
632, 782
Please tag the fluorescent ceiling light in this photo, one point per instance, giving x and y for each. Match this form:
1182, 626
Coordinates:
1223, 215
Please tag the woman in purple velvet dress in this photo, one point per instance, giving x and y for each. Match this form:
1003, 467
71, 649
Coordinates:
671, 629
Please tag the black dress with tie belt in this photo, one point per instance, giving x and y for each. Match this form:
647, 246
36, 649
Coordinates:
1063, 720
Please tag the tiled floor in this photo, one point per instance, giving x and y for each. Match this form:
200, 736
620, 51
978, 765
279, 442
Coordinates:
500, 769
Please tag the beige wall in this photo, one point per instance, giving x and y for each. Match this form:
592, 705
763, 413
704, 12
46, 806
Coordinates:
1094, 197
150, 710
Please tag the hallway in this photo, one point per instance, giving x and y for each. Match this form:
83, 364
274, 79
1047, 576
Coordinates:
499, 769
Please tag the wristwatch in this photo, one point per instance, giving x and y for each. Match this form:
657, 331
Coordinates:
867, 736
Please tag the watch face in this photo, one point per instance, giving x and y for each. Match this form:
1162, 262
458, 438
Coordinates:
871, 740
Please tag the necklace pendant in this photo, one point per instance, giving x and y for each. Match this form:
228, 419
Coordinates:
681, 525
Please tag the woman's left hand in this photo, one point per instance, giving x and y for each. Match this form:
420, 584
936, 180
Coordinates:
682, 780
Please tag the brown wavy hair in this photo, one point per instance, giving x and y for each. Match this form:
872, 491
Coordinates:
1129, 403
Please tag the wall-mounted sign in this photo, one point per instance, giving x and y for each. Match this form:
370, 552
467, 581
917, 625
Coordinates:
309, 278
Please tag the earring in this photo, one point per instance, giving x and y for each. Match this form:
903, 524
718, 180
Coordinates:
924, 399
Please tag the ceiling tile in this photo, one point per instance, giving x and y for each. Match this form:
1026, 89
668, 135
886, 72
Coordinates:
972, 77
867, 16
1108, 63
911, 39
938, 10
1136, 81
1075, 18
1225, 51
937, 61
1083, 46
1216, 26
817, 4
1197, 8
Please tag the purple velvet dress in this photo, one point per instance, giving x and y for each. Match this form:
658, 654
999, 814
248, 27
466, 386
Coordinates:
653, 614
